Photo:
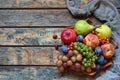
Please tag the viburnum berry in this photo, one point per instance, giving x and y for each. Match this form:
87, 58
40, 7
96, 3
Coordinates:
84, 41
56, 46
55, 36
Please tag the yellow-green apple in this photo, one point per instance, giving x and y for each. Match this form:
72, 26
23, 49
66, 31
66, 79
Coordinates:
82, 27
104, 31
68, 35
108, 50
92, 40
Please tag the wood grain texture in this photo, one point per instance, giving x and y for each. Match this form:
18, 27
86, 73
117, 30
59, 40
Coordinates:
28, 55
29, 36
43, 3
32, 4
37, 3
37, 73
36, 18
41, 18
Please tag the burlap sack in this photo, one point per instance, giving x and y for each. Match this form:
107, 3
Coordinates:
106, 11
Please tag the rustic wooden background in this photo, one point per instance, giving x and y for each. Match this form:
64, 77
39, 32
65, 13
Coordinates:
26, 44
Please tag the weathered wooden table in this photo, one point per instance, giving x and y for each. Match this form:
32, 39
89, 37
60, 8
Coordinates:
26, 44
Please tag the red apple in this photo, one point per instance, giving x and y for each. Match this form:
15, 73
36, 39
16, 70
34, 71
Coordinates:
92, 40
108, 50
68, 36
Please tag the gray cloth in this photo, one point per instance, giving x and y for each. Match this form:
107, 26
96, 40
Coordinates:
106, 11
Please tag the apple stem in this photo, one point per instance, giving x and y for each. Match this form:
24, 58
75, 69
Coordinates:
67, 34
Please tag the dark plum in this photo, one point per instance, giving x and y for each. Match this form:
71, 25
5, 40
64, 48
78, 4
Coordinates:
79, 38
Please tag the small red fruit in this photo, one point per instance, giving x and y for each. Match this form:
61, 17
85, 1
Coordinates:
56, 46
84, 41
55, 36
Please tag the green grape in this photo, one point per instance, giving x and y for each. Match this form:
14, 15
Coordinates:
96, 57
89, 49
90, 60
75, 44
79, 48
85, 59
83, 62
82, 50
84, 53
86, 65
89, 64
91, 54
93, 59
75, 47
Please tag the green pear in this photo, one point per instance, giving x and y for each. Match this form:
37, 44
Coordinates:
104, 31
82, 27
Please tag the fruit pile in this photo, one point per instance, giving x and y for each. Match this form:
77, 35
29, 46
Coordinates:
86, 48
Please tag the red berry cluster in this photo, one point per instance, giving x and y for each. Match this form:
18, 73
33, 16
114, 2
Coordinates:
104, 41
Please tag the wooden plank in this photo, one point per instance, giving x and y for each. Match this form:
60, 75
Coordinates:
28, 55
32, 4
37, 73
29, 36
37, 3
41, 18
36, 18
43, 3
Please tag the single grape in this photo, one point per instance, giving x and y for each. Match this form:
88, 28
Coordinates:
84, 53
64, 58
69, 63
79, 49
88, 69
75, 44
77, 65
59, 63
93, 65
75, 47
79, 57
82, 50
65, 65
93, 60
85, 64
90, 49
84, 59
61, 69
60, 57
75, 52
70, 53
73, 59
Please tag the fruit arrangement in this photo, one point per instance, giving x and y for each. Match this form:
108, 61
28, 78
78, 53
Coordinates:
86, 48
